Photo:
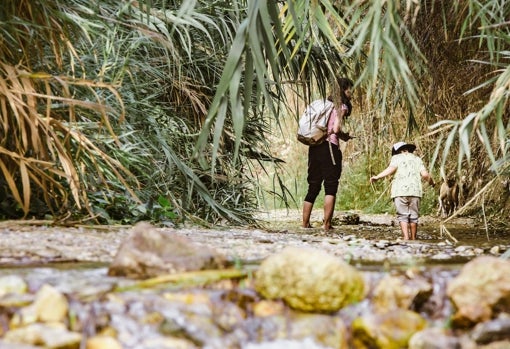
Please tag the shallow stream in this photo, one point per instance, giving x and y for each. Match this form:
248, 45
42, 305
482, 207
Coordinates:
75, 261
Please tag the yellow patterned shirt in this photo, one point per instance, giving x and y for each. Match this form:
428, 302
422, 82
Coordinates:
407, 178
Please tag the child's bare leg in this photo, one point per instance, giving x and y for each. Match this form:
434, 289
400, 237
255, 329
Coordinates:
414, 228
404, 226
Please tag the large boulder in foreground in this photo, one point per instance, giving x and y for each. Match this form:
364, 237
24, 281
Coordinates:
149, 252
480, 291
309, 280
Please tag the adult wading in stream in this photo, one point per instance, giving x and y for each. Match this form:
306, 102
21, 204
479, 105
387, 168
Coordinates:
325, 159
406, 188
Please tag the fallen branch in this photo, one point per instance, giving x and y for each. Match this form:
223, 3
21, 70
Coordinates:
467, 204
443, 229
464, 208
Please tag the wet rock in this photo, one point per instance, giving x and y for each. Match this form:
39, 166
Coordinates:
227, 316
49, 336
462, 248
349, 218
12, 284
398, 292
148, 252
309, 279
496, 345
103, 342
439, 338
441, 256
49, 306
13, 292
384, 219
480, 290
196, 328
323, 330
391, 293
326, 330
478, 251
382, 244
390, 330
437, 307
16, 300
495, 250
265, 308
166, 343
491, 331
6, 345
285, 343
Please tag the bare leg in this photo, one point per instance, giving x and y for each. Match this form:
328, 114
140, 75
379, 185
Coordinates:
414, 228
404, 226
329, 207
307, 212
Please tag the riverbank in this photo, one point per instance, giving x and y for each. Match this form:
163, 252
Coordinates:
62, 271
357, 238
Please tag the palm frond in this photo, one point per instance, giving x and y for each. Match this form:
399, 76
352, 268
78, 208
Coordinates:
48, 139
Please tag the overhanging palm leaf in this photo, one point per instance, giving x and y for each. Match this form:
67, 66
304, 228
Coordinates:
378, 34
486, 25
260, 43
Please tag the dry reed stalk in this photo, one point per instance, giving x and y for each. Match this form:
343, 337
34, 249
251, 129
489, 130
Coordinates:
192, 278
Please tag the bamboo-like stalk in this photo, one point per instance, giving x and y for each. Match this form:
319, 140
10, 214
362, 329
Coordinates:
444, 230
192, 278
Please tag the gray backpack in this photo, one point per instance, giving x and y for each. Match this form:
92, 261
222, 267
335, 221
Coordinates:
313, 123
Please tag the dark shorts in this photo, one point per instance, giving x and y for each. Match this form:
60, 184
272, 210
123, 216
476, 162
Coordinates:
324, 168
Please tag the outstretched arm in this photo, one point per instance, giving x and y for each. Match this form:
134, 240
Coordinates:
386, 172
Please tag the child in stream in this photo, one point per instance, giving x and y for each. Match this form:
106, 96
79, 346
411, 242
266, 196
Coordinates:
406, 188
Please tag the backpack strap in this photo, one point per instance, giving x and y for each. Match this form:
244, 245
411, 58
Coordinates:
331, 152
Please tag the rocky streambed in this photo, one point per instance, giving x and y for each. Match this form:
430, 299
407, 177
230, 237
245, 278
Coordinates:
54, 284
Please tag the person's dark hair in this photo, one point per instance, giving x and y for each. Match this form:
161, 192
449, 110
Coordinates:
344, 84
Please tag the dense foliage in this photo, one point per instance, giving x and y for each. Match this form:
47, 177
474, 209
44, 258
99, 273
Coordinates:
119, 111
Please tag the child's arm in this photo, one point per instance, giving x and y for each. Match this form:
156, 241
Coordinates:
386, 172
426, 176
